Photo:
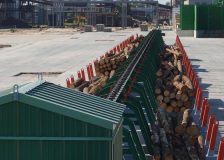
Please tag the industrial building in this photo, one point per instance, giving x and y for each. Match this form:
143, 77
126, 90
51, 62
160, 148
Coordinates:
27, 13
111, 80
45, 125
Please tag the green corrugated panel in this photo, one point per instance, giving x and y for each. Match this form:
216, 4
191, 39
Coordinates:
42, 125
210, 17
187, 17
213, 18
54, 150
22, 120
92, 107
202, 17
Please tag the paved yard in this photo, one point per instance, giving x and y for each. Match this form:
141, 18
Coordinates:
64, 51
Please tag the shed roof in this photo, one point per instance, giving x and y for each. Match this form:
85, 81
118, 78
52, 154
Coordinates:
68, 102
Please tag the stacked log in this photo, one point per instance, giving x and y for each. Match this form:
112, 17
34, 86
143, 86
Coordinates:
174, 92
105, 68
111, 61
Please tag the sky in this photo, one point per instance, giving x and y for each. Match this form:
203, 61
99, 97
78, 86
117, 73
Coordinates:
163, 1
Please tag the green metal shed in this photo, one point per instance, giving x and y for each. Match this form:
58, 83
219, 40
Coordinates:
44, 121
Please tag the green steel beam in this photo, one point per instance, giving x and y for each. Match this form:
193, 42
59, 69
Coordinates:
135, 137
131, 143
134, 105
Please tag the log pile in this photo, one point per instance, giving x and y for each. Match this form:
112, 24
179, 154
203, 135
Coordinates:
174, 93
105, 68
111, 61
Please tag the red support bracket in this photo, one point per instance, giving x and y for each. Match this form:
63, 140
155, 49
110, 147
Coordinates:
205, 116
221, 150
68, 83
204, 104
83, 74
213, 135
118, 48
72, 79
79, 74
88, 72
198, 98
210, 124
91, 70
115, 50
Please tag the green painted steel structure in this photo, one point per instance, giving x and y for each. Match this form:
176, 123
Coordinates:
202, 17
50, 122
187, 17
140, 102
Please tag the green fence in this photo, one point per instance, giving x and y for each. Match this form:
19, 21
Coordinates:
187, 17
202, 17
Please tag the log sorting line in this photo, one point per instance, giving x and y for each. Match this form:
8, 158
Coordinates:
208, 120
175, 134
122, 81
105, 67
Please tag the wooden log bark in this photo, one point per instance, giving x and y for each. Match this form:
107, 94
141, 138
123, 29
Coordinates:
112, 73
200, 148
166, 93
186, 116
193, 130
166, 99
192, 151
86, 90
179, 67
156, 141
173, 52
172, 95
82, 86
179, 149
78, 82
173, 103
163, 105
188, 104
163, 121
159, 98
158, 91
187, 82
166, 152
180, 86
184, 97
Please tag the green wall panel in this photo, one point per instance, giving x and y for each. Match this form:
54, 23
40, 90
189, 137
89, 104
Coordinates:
187, 17
202, 18
208, 17
54, 150
17, 119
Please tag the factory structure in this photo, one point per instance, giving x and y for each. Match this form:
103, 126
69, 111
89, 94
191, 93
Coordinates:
111, 80
57, 13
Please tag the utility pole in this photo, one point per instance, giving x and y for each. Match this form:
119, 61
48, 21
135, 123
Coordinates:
5, 10
124, 14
